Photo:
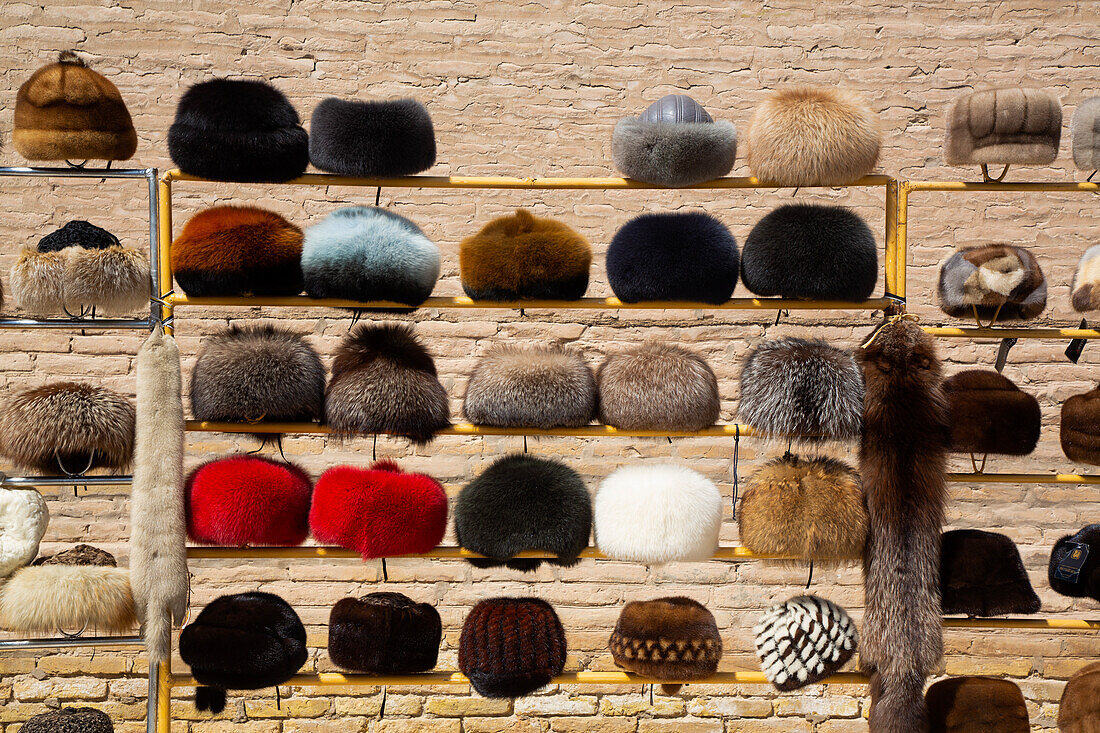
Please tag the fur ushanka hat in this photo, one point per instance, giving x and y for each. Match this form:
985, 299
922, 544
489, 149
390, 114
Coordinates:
533, 387
244, 641
686, 255
384, 633
658, 386
1080, 427
23, 521
976, 705
1074, 568
521, 503
674, 142
376, 138
1079, 709
804, 640
240, 130
1085, 294
995, 282
1085, 129
66, 111
511, 647
670, 640
811, 251
70, 720
1010, 126
525, 256
990, 414
981, 574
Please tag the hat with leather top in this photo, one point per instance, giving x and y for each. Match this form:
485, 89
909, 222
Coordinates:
511, 647
1080, 427
1007, 126
990, 414
69, 720
670, 640
1074, 568
383, 138
981, 574
384, 633
658, 386
976, 705
804, 640
994, 282
1085, 131
1079, 709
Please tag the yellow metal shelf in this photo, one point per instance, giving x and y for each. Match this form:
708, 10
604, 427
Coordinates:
730, 430
1036, 624
974, 332
309, 552
1022, 478
1006, 186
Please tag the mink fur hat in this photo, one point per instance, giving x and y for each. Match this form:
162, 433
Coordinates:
802, 388
981, 574
1079, 709
1085, 295
804, 640
976, 705
689, 256
658, 386
1080, 428
368, 253
531, 387
23, 521
804, 508
813, 136
1074, 568
990, 414
511, 647
240, 130
525, 256
377, 138
244, 641
379, 512
70, 720
674, 142
257, 373
68, 427
521, 503
672, 639
1005, 126
813, 252
657, 513
66, 111
238, 250
994, 282
1085, 130
384, 633
384, 381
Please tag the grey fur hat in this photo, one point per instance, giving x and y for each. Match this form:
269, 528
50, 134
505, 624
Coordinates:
1085, 129
999, 282
658, 386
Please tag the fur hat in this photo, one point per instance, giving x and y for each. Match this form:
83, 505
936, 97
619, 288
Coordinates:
672, 639
685, 255
658, 386
674, 142
384, 633
525, 256
248, 500
981, 574
1085, 129
813, 136
1079, 709
23, 521
384, 381
368, 253
976, 705
1080, 428
244, 641
66, 111
253, 373
811, 251
805, 508
1071, 575
1005, 126
238, 250
384, 138
995, 281
990, 414
802, 388
803, 641
69, 720
524, 503
379, 512
656, 514
511, 647
1085, 294
240, 130
68, 427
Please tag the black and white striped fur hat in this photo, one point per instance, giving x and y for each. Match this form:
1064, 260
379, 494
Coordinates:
803, 641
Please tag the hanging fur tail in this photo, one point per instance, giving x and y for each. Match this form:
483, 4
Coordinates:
897, 704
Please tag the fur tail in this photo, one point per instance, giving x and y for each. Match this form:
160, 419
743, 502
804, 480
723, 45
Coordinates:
210, 698
897, 704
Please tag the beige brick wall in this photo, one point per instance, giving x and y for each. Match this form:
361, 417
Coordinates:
534, 89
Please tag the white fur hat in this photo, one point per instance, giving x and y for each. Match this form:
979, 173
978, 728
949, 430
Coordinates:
23, 520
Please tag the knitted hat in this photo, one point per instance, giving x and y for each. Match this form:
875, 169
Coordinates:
1005, 126
811, 251
1074, 568
531, 387
657, 513
241, 130
990, 414
994, 282
687, 256
674, 142
1085, 128
803, 641
66, 111
671, 639
244, 641
23, 521
511, 647
524, 503
658, 386
367, 253
1080, 427
804, 508
1079, 710
981, 574
1085, 295
384, 633
378, 138
70, 720
802, 388
525, 256
379, 512
238, 250
976, 705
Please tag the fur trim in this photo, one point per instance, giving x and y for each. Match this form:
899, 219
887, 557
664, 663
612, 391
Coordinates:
533, 387
114, 280
511, 647
803, 641
674, 153
38, 282
377, 138
999, 280
1012, 125
1079, 709
981, 574
1085, 129
977, 705
1087, 583
78, 233
672, 639
1080, 428
45, 598
1086, 280
990, 414
23, 521
384, 633
69, 720
658, 386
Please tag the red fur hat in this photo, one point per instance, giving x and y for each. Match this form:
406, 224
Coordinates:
380, 511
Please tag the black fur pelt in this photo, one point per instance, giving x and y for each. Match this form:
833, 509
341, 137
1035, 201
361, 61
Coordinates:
376, 138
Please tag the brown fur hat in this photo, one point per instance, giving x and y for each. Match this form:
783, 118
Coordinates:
990, 414
672, 639
1085, 128
658, 386
1079, 710
993, 282
1004, 126
981, 574
976, 705
511, 647
1080, 428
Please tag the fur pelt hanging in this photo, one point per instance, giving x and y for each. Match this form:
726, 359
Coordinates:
384, 138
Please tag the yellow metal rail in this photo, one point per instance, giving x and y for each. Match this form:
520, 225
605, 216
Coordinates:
1022, 478
728, 430
974, 332
309, 552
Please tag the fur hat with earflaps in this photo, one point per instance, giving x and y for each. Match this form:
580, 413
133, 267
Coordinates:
1085, 129
511, 647
990, 414
981, 574
384, 633
1074, 568
658, 386
244, 641
375, 138
995, 282
1080, 427
23, 521
1085, 294
976, 705
69, 720
670, 640
1009, 126
804, 640
1079, 709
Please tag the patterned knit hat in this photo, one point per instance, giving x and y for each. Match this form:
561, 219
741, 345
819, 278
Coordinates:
670, 639
511, 647
803, 641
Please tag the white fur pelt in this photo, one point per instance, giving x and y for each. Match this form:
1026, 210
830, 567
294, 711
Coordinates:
23, 520
48, 598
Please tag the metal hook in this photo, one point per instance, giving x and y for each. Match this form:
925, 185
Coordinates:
978, 320
382, 708
385, 572
378, 196
74, 635
524, 443
79, 474
974, 463
811, 578
374, 449
356, 314
1089, 179
779, 315
990, 179
736, 450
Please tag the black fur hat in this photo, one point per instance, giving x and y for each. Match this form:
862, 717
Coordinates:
78, 233
384, 633
383, 138
811, 251
70, 720
1081, 553
241, 130
524, 503
511, 647
981, 574
243, 641
990, 414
